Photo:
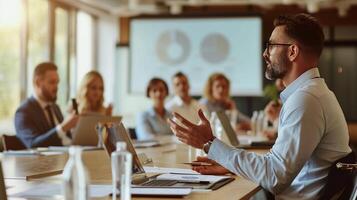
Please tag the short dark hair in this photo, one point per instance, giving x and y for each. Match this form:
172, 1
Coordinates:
153, 82
179, 74
305, 29
42, 68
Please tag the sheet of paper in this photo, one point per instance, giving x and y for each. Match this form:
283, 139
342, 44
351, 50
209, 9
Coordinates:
54, 191
161, 191
248, 139
21, 153
166, 170
191, 177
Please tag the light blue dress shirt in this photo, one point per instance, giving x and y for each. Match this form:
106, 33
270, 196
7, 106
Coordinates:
312, 134
150, 125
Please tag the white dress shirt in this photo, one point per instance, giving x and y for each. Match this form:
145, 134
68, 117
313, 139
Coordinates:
61, 134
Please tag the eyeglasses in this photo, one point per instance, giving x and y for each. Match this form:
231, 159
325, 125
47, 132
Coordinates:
268, 45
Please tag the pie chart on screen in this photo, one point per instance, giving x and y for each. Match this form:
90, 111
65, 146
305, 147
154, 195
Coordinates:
214, 48
173, 47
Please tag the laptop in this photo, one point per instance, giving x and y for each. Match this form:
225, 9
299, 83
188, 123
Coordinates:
255, 142
113, 132
85, 133
3, 195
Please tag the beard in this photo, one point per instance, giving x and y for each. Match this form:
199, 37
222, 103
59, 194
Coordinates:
277, 69
50, 96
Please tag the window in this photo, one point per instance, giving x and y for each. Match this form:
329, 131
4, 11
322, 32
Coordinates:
62, 54
29, 35
37, 37
10, 17
85, 45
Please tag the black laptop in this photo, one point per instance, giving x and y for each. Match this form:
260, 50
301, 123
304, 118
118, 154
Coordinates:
114, 132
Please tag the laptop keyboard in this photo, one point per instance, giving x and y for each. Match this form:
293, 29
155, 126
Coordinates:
159, 183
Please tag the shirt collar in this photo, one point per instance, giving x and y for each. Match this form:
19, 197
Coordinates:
42, 103
309, 74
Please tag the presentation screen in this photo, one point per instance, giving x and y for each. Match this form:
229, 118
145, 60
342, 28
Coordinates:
197, 47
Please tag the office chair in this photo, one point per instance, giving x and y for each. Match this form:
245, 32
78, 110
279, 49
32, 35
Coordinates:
3, 195
11, 142
342, 179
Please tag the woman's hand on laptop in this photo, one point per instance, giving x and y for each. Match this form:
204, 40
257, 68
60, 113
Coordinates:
192, 134
214, 169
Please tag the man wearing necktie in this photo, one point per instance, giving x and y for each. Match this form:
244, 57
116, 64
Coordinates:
39, 121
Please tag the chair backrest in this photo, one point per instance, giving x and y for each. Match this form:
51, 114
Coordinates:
341, 182
3, 195
11, 142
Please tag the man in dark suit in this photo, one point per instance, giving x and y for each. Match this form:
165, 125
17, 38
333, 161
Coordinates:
39, 121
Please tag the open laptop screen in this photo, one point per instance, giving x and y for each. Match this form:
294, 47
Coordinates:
227, 127
112, 133
84, 133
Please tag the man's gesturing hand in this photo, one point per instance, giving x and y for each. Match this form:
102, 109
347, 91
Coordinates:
192, 134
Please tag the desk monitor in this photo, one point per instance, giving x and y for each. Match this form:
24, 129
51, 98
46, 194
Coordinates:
85, 133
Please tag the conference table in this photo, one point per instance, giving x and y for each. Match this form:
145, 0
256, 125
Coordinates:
23, 172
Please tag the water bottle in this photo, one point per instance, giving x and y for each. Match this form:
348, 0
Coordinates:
75, 176
253, 122
121, 171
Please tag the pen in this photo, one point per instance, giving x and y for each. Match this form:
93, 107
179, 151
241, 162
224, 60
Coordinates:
197, 163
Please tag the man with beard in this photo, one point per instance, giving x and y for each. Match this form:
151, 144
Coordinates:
182, 102
39, 121
312, 132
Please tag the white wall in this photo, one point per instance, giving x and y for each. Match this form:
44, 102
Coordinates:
129, 105
113, 64
106, 53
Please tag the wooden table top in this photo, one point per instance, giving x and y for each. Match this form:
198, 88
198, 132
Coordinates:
17, 168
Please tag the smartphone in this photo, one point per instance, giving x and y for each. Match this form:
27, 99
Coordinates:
75, 105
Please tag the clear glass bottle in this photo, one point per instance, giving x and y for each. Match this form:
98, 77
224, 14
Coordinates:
75, 176
121, 171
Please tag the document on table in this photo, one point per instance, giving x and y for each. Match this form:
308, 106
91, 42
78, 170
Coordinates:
30, 152
54, 191
192, 178
166, 170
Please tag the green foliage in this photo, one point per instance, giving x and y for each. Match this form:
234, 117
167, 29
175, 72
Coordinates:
271, 92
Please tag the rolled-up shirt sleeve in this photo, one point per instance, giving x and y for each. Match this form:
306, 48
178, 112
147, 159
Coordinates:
301, 129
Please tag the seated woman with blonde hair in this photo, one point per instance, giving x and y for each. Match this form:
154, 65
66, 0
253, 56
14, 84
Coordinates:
217, 98
90, 95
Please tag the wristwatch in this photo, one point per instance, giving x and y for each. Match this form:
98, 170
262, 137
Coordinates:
207, 145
